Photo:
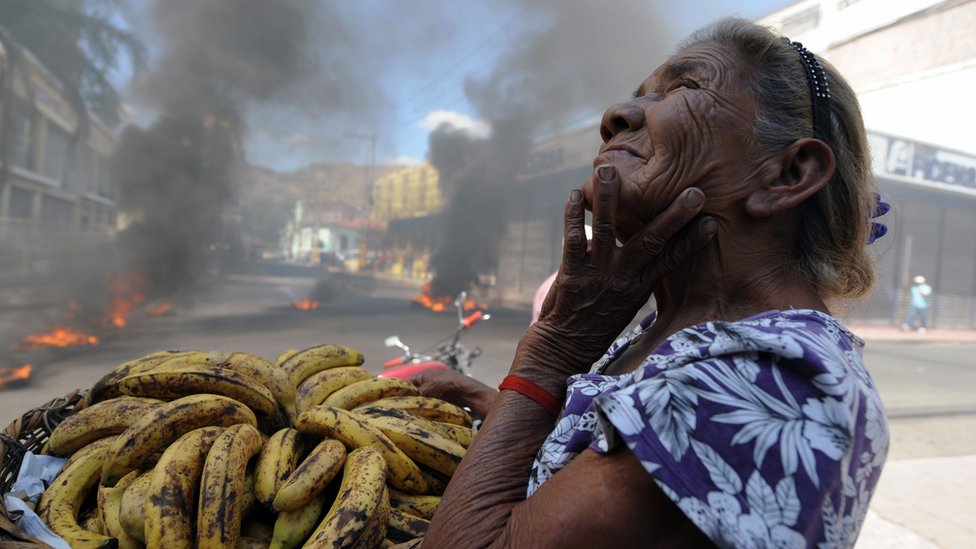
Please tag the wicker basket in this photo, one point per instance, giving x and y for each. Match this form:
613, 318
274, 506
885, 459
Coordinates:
29, 433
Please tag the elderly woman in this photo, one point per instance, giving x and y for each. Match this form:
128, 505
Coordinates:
737, 181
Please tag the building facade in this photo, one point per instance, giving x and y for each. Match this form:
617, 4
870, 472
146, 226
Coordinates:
57, 196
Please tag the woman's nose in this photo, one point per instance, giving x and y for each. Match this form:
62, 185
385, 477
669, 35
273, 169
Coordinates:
621, 117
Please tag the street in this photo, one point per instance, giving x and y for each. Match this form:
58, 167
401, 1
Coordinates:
927, 387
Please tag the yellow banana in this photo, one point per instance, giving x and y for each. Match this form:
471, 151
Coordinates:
354, 431
370, 390
285, 356
249, 501
91, 521
292, 528
109, 506
173, 486
60, 504
376, 528
219, 511
321, 357
360, 497
106, 387
132, 507
320, 385
273, 377
275, 464
160, 427
422, 445
417, 505
169, 384
106, 418
458, 433
405, 527
431, 408
311, 477
80, 452
436, 482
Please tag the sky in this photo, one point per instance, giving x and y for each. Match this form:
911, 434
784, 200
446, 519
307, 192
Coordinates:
404, 68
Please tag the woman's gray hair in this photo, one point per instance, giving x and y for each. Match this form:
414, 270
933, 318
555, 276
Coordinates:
830, 250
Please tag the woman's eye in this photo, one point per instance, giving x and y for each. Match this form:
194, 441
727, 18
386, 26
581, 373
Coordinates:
684, 83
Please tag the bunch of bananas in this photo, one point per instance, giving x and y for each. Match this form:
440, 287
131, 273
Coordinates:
206, 449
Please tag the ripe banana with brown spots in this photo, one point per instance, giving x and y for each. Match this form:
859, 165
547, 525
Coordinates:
275, 464
132, 507
109, 507
318, 386
422, 506
292, 528
370, 390
377, 526
458, 433
173, 486
354, 431
100, 420
424, 446
321, 357
405, 527
360, 498
311, 477
106, 387
222, 485
164, 424
431, 408
60, 503
169, 384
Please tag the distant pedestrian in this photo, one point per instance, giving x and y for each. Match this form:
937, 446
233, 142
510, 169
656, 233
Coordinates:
920, 305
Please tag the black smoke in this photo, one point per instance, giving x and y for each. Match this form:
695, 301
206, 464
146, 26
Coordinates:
577, 58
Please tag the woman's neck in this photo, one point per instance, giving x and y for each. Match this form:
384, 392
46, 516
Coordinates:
730, 280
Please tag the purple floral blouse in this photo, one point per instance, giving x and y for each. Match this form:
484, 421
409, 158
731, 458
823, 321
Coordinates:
766, 432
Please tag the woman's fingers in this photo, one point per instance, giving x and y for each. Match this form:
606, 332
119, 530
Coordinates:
604, 209
687, 245
574, 232
644, 250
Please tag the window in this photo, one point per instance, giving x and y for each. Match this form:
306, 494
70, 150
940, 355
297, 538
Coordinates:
23, 134
21, 203
56, 210
56, 147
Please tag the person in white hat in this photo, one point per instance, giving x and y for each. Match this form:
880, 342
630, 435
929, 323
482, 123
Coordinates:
920, 305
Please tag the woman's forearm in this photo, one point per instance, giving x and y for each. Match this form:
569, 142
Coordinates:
493, 476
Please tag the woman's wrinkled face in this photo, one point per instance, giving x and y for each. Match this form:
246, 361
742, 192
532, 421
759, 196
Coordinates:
689, 124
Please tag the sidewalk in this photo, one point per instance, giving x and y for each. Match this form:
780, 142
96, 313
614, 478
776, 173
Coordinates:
923, 503
892, 333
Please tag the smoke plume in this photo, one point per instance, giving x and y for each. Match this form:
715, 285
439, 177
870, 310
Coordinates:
577, 58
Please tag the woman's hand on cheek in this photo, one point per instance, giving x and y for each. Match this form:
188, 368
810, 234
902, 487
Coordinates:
598, 290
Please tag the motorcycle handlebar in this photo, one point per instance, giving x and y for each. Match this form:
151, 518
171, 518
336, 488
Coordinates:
393, 362
471, 320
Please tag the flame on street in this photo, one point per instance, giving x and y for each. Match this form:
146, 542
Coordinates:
15, 375
443, 303
126, 292
305, 305
56, 338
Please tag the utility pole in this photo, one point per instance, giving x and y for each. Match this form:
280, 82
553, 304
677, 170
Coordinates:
369, 169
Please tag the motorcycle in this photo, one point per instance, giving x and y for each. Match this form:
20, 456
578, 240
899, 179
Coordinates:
448, 354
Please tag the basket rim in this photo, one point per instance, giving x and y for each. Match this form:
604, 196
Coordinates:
30, 432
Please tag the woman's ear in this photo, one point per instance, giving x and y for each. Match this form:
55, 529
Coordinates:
806, 167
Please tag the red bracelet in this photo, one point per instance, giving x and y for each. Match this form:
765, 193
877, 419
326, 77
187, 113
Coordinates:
544, 398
